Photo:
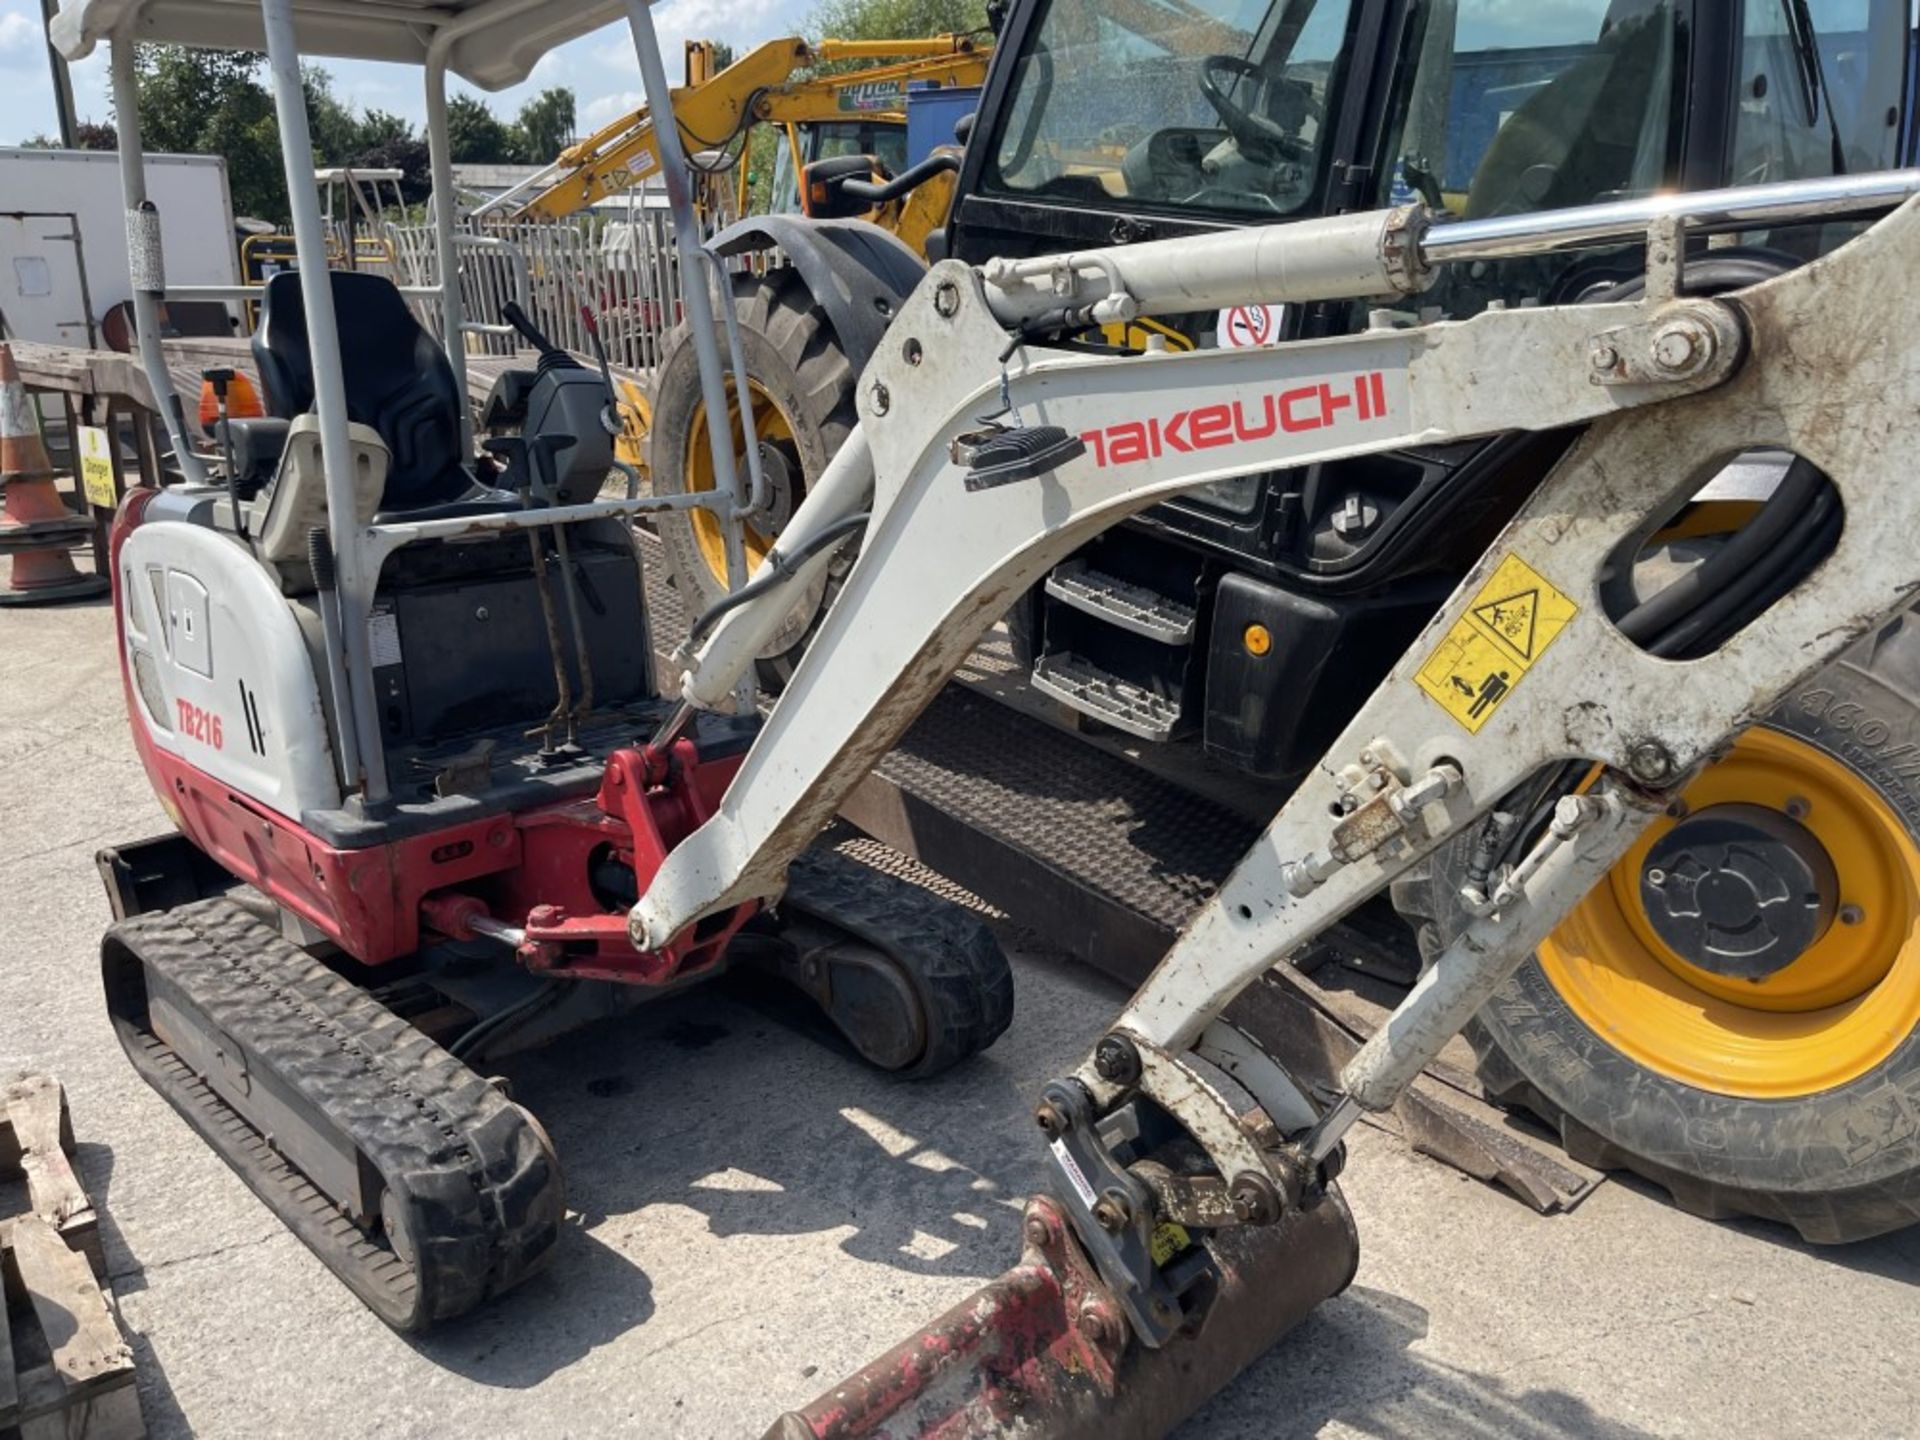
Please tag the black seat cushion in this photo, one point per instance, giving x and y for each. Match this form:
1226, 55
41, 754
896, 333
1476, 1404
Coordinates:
397, 378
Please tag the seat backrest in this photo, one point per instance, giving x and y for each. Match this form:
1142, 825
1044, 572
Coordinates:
397, 377
1576, 139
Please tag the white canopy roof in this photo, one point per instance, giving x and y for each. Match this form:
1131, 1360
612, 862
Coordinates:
497, 45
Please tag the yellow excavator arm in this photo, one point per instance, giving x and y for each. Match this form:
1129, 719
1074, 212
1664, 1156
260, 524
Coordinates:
758, 88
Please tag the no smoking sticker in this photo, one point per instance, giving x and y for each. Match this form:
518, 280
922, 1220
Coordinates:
1489, 650
1247, 327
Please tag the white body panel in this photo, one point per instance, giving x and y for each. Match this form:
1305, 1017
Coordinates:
78, 192
236, 696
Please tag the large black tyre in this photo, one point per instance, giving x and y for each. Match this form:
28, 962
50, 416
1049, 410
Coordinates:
1837, 1164
802, 384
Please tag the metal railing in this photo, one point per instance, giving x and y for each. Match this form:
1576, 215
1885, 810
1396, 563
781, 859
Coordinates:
624, 269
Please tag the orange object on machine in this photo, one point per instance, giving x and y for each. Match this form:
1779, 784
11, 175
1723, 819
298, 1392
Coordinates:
36, 527
243, 402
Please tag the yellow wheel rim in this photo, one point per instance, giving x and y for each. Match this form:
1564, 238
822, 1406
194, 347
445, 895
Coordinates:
1830, 1016
771, 426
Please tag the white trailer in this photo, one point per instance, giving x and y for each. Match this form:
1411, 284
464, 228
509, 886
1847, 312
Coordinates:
63, 241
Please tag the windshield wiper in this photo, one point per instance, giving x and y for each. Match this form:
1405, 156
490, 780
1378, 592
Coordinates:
1813, 79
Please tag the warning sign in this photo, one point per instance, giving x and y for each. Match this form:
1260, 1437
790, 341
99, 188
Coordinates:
1487, 653
1167, 1241
1247, 327
96, 467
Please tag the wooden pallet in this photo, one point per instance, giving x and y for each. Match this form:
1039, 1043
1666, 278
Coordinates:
66, 1373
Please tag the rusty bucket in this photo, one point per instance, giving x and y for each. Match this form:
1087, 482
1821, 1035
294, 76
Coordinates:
1043, 1352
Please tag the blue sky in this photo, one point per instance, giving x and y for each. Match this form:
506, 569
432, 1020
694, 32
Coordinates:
599, 67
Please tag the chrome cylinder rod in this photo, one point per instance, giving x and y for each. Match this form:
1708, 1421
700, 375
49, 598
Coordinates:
1700, 211
1383, 252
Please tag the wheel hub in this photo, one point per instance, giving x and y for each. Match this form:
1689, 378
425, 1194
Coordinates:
779, 470
1740, 890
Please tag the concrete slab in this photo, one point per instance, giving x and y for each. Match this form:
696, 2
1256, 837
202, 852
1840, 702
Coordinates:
755, 1215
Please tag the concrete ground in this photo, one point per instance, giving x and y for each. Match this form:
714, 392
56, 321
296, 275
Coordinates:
756, 1215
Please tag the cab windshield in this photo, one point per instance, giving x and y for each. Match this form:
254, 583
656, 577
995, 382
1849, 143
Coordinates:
1209, 104
885, 140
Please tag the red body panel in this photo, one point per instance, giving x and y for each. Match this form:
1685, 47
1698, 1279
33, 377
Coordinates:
530, 869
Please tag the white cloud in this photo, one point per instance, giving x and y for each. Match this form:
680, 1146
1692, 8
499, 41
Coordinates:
603, 109
19, 37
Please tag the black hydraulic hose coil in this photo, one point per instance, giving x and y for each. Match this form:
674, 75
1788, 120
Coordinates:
777, 569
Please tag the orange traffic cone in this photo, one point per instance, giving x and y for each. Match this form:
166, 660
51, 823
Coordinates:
36, 527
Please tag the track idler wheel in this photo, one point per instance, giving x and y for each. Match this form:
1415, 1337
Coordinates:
914, 982
1045, 1352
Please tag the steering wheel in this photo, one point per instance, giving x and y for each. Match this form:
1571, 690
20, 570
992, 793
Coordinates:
1258, 135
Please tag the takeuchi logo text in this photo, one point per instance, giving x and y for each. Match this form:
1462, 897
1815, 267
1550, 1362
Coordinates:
1313, 406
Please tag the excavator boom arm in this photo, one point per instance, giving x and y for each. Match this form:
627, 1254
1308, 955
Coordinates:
975, 474
759, 87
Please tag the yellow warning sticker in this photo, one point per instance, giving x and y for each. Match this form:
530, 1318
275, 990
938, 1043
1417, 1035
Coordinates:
1507, 627
1168, 1241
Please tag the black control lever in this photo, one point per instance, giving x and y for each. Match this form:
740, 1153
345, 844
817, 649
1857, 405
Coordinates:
552, 357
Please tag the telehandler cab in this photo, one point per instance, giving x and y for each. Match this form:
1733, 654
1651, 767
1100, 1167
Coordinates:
291, 654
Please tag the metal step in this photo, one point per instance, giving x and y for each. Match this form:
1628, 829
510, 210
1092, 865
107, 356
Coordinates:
1100, 695
1134, 608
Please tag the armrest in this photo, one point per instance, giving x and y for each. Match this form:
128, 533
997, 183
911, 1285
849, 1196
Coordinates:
257, 446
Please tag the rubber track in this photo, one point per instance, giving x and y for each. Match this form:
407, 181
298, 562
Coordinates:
477, 1180
955, 962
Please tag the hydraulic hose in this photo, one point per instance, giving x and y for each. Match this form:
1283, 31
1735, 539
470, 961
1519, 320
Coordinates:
1647, 623
778, 569
1801, 543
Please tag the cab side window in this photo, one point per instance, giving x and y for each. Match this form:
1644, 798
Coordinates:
1516, 108
1820, 89
1513, 108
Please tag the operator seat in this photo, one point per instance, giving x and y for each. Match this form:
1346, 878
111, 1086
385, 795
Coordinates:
398, 382
1577, 139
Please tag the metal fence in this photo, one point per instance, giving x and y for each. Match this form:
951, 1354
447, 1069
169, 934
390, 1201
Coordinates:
623, 268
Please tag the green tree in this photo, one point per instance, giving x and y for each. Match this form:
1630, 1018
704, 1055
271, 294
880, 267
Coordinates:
334, 130
211, 102
896, 19
406, 153
214, 102
475, 135
87, 135
545, 125
380, 127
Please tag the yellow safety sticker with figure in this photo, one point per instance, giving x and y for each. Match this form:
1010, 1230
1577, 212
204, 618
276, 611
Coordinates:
1507, 627
1168, 1241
